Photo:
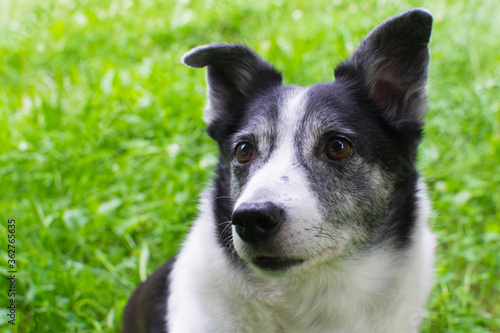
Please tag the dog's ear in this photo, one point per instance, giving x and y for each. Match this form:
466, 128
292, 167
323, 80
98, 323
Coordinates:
391, 63
234, 72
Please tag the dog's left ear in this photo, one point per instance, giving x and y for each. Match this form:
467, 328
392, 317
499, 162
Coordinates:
234, 73
392, 63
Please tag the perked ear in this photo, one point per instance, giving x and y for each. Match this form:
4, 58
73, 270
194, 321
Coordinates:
234, 72
392, 63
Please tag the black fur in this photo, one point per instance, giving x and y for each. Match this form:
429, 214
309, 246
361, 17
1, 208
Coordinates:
146, 310
402, 215
223, 209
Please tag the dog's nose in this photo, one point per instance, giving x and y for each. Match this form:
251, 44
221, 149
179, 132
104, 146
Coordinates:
256, 222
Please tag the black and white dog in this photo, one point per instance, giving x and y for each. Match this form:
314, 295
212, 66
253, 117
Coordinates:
317, 218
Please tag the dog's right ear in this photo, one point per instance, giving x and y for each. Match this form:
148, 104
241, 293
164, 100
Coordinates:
391, 62
234, 72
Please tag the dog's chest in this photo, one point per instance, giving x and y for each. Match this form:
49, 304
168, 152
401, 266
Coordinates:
318, 304
290, 317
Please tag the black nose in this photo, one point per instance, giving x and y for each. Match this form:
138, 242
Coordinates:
256, 222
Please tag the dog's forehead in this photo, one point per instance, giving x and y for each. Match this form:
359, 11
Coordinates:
273, 114
309, 110
338, 107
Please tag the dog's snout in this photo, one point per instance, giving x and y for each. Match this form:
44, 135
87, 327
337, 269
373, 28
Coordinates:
256, 222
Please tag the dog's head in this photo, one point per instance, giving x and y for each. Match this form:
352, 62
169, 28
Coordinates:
326, 170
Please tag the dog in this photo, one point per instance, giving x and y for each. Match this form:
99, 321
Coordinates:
317, 218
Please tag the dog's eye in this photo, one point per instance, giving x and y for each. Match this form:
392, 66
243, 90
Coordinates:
244, 152
338, 149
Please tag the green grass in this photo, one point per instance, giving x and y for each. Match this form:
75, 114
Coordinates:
103, 152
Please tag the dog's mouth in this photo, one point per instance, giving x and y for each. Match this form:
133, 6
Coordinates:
279, 264
275, 264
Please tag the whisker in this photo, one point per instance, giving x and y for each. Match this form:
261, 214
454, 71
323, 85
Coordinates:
223, 197
228, 238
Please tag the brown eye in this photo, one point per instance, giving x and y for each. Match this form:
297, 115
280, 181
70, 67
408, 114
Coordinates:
244, 152
338, 149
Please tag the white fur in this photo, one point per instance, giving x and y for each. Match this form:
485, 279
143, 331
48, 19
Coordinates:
383, 292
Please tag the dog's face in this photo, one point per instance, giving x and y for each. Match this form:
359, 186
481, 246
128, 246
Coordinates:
316, 172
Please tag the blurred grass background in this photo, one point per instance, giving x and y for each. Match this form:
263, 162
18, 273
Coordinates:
103, 152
